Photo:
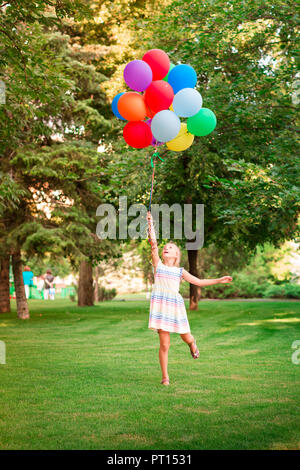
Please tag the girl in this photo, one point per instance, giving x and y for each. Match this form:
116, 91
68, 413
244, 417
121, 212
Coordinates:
167, 309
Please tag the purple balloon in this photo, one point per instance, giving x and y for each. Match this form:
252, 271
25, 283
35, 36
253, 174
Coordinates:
154, 142
138, 75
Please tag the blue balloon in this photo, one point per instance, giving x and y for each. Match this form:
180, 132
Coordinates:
187, 102
114, 106
165, 126
182, 76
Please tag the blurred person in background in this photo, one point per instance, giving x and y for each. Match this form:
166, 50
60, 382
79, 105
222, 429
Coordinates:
28, 280
49, 290
40, 285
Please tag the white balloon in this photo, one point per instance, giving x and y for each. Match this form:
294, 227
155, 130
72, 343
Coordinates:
187, 102
165, 125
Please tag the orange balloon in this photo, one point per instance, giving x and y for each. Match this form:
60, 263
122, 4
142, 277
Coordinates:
132, 106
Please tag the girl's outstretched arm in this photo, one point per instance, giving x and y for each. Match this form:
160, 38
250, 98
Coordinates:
152, 240
204, 282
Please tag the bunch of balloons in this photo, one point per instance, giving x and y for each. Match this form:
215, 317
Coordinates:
163, 93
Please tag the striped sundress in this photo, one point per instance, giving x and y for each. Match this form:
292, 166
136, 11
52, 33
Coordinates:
167, 309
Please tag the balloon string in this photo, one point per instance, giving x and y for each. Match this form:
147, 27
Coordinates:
153, 161
156, 154
153, 172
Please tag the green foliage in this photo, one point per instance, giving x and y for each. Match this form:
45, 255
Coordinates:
58, 265
267, 274
243, 286
246, 172
60, 77
267, 263
286, 290
51, 127
10, 193
146, 262
246, 287
106, 294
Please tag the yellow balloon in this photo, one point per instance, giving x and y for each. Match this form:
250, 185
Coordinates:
182, 141
171, 108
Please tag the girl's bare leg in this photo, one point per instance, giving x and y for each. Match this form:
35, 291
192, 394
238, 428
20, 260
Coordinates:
164, 338
188, 338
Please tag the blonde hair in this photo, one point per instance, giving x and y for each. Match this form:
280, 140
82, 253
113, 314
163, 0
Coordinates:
177, 262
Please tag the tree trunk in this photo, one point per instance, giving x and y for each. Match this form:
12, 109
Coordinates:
22, 306
85, 285
195, 292
4, 285
96, 284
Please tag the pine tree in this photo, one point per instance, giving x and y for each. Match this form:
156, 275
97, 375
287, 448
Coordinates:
49, 140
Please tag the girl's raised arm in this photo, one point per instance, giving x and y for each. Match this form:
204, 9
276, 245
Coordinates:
152, 240
204, 282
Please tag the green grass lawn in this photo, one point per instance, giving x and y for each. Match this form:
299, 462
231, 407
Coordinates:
89, 378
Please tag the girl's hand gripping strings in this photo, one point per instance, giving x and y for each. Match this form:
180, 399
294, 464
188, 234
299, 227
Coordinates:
152, 240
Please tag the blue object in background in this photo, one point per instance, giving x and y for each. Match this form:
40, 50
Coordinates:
114, 106
182, 76
28, 278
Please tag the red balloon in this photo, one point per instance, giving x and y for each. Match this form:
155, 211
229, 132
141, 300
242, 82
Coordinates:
137, 134
159, 63
159, 95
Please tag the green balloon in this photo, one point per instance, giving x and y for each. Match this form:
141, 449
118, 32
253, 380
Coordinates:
166, 77
202, 123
